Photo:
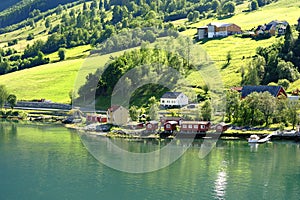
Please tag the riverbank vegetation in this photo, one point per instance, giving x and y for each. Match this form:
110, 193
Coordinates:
259, 109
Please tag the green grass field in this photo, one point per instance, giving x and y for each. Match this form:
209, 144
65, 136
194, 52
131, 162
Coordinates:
53, 81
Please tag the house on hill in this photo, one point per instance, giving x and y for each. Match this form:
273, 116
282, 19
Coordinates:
215, 29
273, 28
174, 99
275, 91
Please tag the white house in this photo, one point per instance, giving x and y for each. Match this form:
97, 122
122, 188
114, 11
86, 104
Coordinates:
174, 99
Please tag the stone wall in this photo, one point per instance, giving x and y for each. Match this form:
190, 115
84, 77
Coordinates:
43, 105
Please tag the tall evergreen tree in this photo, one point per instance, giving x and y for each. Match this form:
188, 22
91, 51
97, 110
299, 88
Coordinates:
288, 40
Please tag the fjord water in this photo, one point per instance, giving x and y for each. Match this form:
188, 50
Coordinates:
51, 162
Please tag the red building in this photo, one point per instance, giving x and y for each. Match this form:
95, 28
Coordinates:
221, 127
96, 118
163, 120
152, 126
170, 126
195, 126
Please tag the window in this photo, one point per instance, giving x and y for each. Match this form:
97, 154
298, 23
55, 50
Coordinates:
184, 126
202, 127
190, 126
163, 101
195, 126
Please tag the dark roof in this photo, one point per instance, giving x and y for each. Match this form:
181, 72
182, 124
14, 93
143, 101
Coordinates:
171, 95
273, 90
268, 27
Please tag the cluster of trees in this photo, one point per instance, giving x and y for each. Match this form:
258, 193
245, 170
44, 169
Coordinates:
155, 60
32, 56
255, 4
25, 9
146, 113
87, 26
275, 63
260, 109
5, 97
132, 38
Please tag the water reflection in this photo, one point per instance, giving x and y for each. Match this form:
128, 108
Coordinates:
253, 147
220, 185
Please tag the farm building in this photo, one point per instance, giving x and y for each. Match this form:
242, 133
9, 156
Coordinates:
174, 99
214, 29
273, 28
195, 126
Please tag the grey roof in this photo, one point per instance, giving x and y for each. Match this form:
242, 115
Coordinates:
273, 90
276, 22
171, 95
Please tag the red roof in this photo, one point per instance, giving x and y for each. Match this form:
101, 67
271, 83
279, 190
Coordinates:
113, 108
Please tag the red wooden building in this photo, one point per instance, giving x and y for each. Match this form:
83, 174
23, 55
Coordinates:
221, 127
195, 126
152, 126
170, 126
163, 120
96, 118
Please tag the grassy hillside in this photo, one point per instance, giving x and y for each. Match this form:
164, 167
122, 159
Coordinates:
242, 49
54, 81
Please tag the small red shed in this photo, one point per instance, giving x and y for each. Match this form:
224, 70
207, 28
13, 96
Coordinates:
221, 127
152, 126
170, 126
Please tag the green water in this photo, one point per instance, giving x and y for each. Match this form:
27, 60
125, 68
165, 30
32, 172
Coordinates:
48, 162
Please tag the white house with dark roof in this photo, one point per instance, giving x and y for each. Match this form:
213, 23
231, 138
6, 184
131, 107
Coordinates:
174, 99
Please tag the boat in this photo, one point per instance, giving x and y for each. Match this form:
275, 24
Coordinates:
253, 139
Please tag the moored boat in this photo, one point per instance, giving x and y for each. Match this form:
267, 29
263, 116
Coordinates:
253, 139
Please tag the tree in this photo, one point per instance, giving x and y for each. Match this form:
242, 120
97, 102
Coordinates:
251, 106
253, 5
284, 83
101, 6
62, 54
206, 111
228, 57
48, 22
153, 112
12, 101
267, 105
153, 108
134, 113
228, 8
232, 105
215, 5
292, 112
196, 15
59, 9
190, 16
288, 40
3, 95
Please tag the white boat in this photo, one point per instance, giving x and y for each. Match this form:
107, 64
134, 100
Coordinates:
253, 139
